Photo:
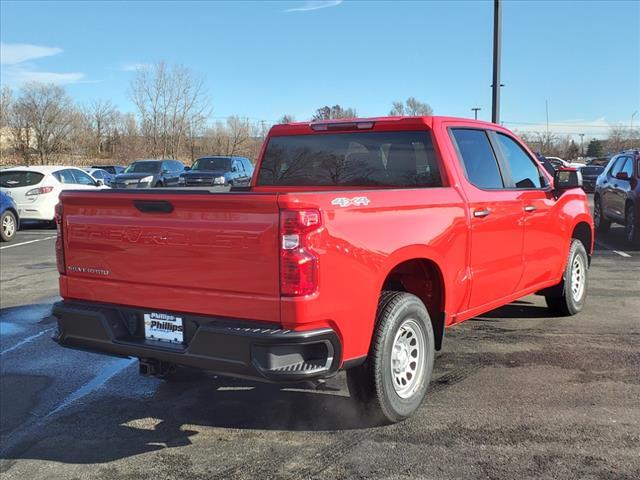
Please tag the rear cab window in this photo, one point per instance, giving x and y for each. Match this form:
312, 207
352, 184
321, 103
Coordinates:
19, 178
478, 159
385, 159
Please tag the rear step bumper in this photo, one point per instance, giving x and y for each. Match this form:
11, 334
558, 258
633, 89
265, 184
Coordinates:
234, 348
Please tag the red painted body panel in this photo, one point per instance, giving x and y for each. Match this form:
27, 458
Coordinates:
217, 254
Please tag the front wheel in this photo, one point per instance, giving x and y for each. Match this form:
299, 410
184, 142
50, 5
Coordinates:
393, 380
573, 288
632, 225
8, 226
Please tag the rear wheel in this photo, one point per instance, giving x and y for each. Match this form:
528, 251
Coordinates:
393, 380
601, 223
632, 227
8, 226
573, 288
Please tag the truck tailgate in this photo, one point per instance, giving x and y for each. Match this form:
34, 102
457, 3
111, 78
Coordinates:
211, 254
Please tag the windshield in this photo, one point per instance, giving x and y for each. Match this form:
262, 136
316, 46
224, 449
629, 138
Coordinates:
352, 159
212, 164
143, 167
16, 179
591, 170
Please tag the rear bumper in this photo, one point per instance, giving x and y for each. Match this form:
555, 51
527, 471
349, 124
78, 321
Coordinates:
234, 348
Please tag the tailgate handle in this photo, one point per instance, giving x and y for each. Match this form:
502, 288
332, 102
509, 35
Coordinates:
153, 206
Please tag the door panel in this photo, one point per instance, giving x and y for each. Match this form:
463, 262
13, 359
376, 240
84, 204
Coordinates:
496, 245
544, 242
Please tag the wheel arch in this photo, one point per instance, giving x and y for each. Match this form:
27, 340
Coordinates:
424, 278
583, 231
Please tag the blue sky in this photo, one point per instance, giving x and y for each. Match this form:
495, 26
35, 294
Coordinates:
265, 59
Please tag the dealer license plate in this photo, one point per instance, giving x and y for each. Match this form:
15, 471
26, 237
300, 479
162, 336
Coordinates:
163, 327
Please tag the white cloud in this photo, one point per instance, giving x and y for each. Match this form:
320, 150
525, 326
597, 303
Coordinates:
134, 67
309, 5
20, 76
15, 53
17, 60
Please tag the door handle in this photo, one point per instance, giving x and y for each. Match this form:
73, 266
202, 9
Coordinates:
530, 208
481, 213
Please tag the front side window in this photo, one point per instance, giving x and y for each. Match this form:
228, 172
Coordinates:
628, 167
392, 159
617, 166
524, 172
477, 157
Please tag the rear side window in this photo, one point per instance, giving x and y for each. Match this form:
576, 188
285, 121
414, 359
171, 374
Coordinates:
16, 179
393, 159
65, 176
478, 159
524, 172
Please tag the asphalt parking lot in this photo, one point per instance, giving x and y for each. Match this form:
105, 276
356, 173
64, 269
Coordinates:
516, 394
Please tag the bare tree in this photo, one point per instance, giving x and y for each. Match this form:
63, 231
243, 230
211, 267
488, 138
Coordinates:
6, 102
286, 118
335, 112
42, 117
169, 100
100, 120
411, 108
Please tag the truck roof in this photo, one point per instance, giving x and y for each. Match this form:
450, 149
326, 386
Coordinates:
397, 122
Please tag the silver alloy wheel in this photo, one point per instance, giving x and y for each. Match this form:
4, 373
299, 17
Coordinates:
578, 278
408, 358
8, 226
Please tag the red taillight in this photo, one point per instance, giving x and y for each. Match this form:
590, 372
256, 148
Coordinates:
38, 191
59, 241
298, 264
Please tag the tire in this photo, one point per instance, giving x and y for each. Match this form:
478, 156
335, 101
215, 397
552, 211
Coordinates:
573, 286
632, 225
8, 226
601, 223
403, 332
159, 185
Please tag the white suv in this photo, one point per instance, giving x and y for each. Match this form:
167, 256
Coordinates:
36, 189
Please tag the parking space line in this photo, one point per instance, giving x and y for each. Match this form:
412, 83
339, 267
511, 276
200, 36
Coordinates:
611, 249
30, 241
26, 340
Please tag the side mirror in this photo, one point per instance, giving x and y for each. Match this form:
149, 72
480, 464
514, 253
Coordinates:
99, 183
622, 176
186, 169
566, 179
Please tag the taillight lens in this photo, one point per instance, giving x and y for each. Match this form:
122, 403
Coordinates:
298, 264
38, 191
59, 240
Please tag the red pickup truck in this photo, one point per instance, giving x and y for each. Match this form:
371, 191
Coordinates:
353, 248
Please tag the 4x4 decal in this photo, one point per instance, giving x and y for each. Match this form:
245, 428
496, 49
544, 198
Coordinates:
348, 202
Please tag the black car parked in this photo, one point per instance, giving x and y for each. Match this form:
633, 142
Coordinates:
150, 173
218, 170
617, 196
590, 174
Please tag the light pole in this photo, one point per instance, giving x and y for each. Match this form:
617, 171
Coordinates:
475, 112
581, 144
632, 117
497, 41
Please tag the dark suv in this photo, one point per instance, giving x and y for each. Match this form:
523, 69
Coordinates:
149, 173
219, 170
617, 195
